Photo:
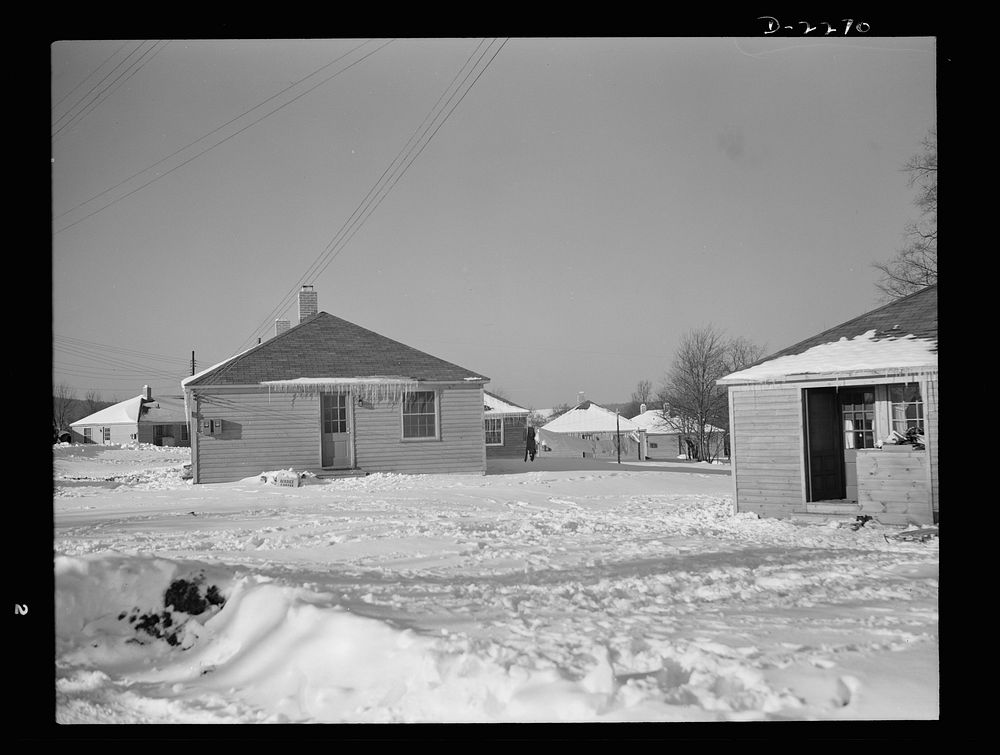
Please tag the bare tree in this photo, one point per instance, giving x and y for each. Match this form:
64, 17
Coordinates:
915, 265
63, 397
741, 353
643, 394
690, 393
93, 401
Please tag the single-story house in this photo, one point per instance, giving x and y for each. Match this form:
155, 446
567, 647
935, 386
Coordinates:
820, 427
505, 427
144, 419
588, 430
329, 395
667, 439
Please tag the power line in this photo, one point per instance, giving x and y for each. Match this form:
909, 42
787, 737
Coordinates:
287, 298
223, 141
128, 73
205, 136
368, 205
63, 98
111, 347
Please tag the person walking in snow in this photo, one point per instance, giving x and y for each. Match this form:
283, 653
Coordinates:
530, 448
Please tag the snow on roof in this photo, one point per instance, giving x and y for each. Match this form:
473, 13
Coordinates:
588, 417
124, 412
497, 406
653, 422
864, 353
163, 410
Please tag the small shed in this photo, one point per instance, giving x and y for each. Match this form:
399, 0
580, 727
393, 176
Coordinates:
816, 428
588, 430
143, 419
505, 427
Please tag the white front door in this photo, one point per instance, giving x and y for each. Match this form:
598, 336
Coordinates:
335, 419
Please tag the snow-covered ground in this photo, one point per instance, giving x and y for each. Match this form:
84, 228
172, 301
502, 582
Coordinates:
557, 591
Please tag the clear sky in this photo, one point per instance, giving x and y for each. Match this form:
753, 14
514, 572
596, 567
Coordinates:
585, 204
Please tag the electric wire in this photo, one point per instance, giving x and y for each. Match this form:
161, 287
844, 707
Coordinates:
368, 205
133, 68
210, 133
287, 298
63, 98
222, 141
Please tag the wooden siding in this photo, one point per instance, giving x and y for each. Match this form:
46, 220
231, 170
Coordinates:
379, 446
666, 446
931, 438
893, 485
260, 432
766, 437
121, 434
514, 440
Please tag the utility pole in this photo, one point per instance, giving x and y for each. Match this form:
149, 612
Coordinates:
618, 430
192, 362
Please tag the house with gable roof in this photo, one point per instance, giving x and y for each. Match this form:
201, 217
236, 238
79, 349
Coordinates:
330, 396
668, 437
143, 419
589, 430
844, 422
505, 427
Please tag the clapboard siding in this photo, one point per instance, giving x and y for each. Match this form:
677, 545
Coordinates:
766, 428
514, 440
379, 446
260, 432
120, 434
931, 437
893, 486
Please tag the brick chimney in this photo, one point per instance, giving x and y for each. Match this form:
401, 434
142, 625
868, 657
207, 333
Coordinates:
642, 408
280, 326
147, 393
308, 303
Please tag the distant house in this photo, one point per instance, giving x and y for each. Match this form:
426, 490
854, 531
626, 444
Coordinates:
143, 419
505, 426
330, 395
591, 431
666, 437
813, 426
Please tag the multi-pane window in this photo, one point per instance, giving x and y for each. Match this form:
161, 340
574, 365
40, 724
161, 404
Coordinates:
335, 413
906, 407
185, 435
857, 409
419, 415
106, 434
494, 431
88, 435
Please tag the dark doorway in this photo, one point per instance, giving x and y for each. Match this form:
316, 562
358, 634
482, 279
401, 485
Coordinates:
824, 450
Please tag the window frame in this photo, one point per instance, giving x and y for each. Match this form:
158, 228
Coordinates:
105, 435
88, 435
486, 432
436, 414
920, 421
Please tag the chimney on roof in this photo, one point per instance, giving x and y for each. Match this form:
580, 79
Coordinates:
642, 408
147, 393
280, 326
666, 411
579, 397
308, 303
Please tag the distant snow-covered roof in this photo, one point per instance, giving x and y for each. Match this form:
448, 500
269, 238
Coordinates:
124, 412
588, 417
496, 406
165, 410
653, 422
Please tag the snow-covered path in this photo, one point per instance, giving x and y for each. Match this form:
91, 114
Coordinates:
600, 594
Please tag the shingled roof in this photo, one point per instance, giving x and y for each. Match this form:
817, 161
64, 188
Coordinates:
899, 336
914, 315
327, 347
